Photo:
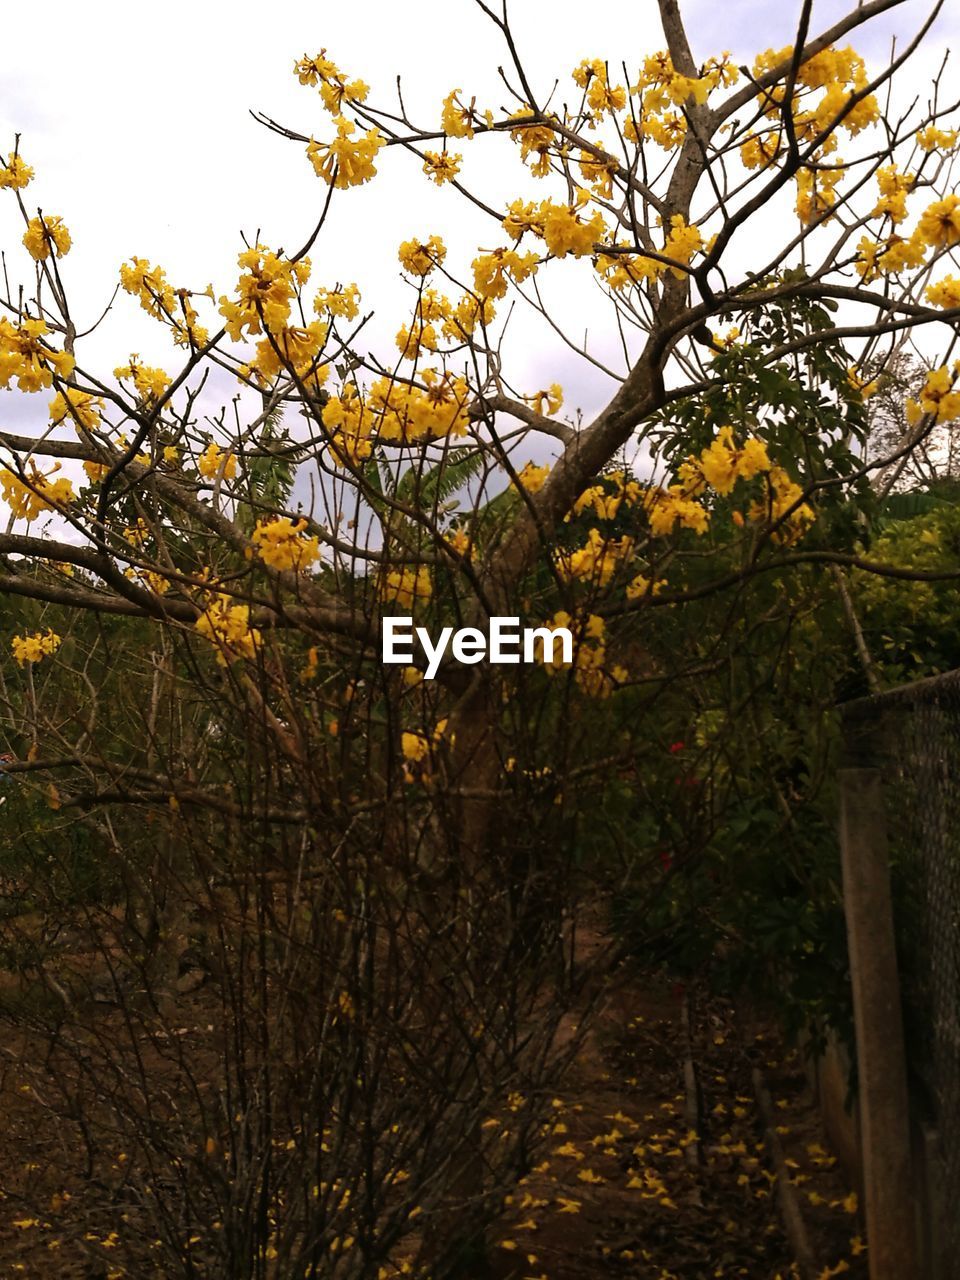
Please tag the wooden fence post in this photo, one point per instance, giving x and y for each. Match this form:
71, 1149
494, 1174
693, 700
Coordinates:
883, 1098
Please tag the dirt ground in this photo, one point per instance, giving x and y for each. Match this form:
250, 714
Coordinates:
629, 1188
640, 1176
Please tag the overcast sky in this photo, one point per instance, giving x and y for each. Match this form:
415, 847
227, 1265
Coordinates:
136, 119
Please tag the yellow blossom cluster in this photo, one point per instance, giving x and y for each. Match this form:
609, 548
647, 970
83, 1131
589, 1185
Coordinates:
933, 139
45, 235
15, 174
600, 172
214, 464
441, 166
944, 293
419, 257
159, 299
435, 316
532, 478
335, 88
894, 189
346, 161
937, 398
939, 225
405, 587
667, 507
149, 383
623, 270
719, 466
560, 226
723, 463
79, 408
829, 93
28, 499
938, 228
492, 270
641, 587
461, 120
227, 626
459, 541
783, 509
265, 292
888, 257
605, 502
417, 750
35, 647
596, 562
600, 96
26, 358
590, 668
865, 387
395, 413
536, 140
150, 285
293, 349
665, 93
282, 544
343, 301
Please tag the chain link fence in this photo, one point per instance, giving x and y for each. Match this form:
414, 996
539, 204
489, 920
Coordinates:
912, 735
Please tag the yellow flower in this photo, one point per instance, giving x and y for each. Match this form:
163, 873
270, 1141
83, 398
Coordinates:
78, 407
294, 349
492, 270
15, 174
405, 587
44, 234
414, 746
265, 292
150, 285
682, 243
894, 189
938, 396
469, 312
441, 166
565, 231
419, 258
532, 478
945, 293
213, 463
666, 508
784, 496
597, 561
459, 121
939, 224
933, 139
547, 402
282, 544
25, 356
149, 383
34, 648
346, 161
26, 501
343, 301
334, 87
227, 626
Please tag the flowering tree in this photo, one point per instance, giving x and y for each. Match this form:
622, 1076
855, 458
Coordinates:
385, 866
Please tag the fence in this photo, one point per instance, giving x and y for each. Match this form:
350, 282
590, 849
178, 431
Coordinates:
900, 790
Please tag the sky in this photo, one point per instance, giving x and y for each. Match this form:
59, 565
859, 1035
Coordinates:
137, 121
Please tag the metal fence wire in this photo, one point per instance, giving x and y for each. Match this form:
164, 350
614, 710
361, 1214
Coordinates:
912, 734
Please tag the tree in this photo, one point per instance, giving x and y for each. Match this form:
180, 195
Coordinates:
380, 872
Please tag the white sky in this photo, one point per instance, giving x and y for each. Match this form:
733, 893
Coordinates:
136, 121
